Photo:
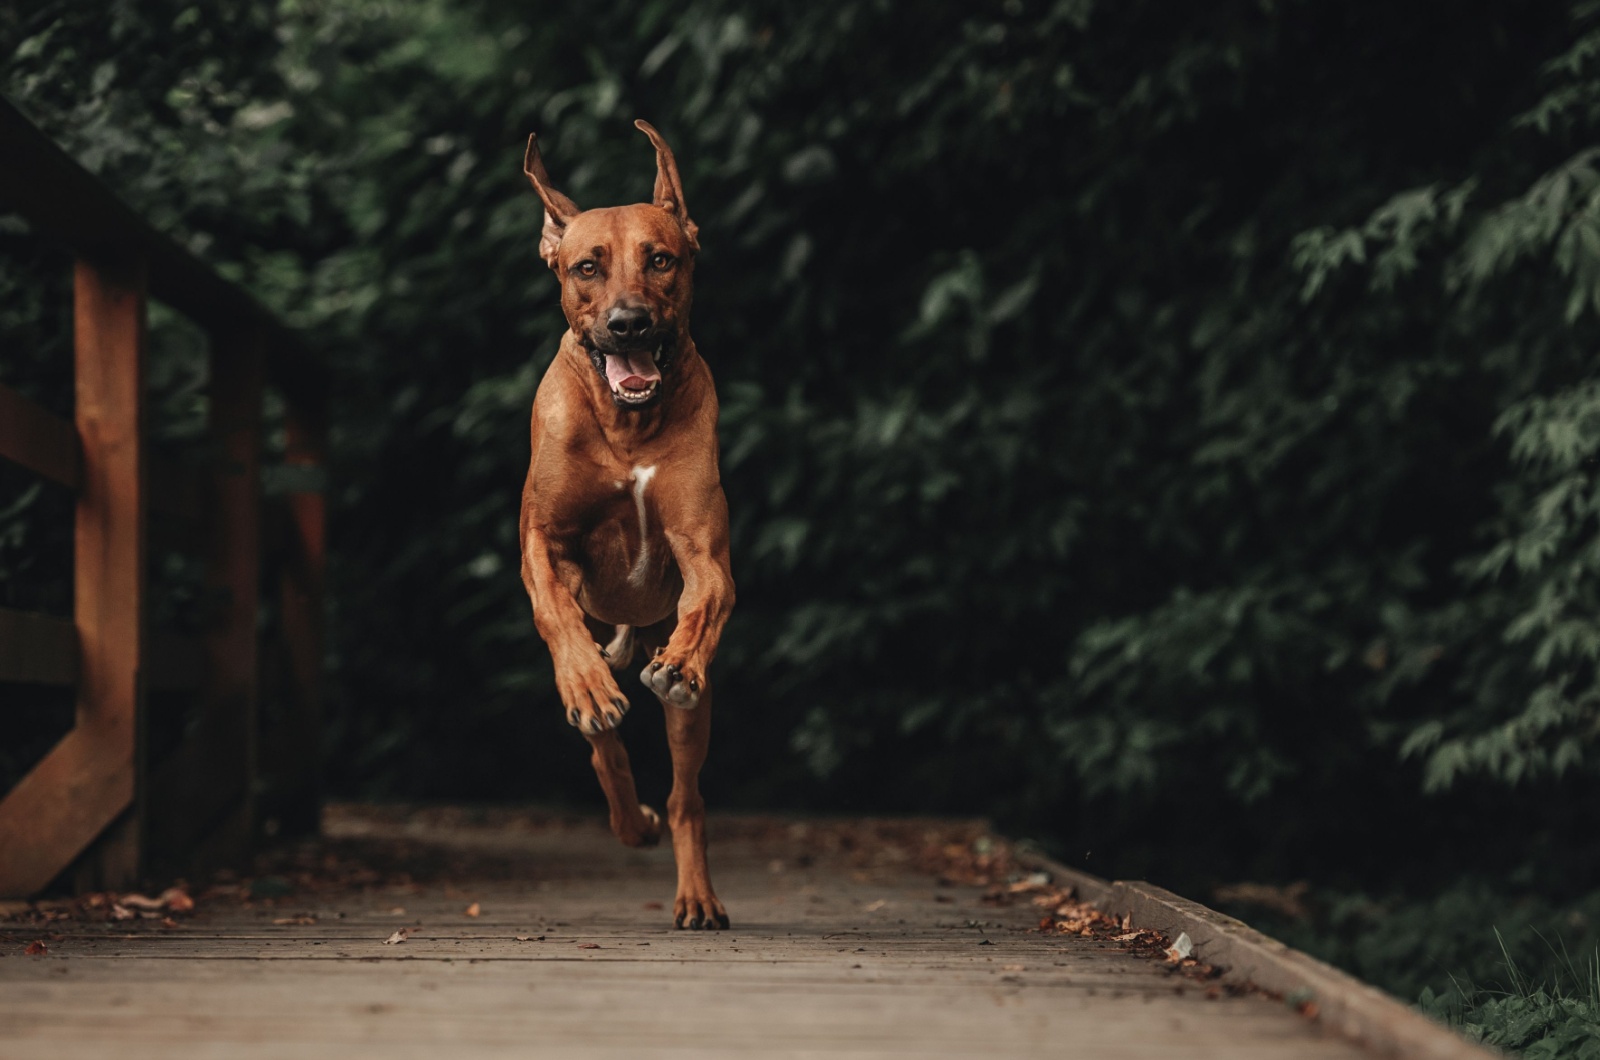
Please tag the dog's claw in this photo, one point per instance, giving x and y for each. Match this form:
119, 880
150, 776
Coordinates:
678, 922
723, 922
694, 925
574, 717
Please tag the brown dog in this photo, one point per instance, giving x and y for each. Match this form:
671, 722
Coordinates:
624, 524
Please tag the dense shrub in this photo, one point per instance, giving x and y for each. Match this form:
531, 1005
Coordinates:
1169, 427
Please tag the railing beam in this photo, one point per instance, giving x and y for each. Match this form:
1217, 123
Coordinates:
39, 440
37, 649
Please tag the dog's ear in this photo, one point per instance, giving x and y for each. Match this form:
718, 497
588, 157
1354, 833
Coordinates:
669, 188
558, 209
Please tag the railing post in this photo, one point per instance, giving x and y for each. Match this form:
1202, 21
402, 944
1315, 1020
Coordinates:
207, 786
109, 567
302, 603
94, 776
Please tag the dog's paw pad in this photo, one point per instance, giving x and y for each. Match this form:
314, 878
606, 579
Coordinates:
671, 686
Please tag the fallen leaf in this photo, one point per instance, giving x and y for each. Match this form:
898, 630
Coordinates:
298, 920
654, 905
588, 945
169, 923
473, 910
36, 949
139, 901
178, 900
397, 937
1181, 947
122, 912
528, 938
875, 906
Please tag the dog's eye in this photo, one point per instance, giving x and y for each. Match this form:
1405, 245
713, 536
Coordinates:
586, 268
661, 261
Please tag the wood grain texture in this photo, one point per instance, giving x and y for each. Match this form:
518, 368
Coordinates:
832, 954
90, 778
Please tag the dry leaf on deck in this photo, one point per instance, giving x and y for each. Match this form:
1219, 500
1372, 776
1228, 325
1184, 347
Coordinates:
139, 901
298, 920
1181, 947
588, 945
473, 910
36, 949
398, 936
177, 900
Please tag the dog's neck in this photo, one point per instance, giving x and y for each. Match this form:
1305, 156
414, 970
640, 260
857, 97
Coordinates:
628, 426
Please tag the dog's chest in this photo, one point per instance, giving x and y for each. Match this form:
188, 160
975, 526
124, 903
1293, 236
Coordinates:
627, 568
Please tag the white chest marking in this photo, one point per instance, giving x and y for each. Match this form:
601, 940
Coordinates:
641, 479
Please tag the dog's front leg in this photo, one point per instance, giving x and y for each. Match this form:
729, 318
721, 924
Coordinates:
677, 672
589, 695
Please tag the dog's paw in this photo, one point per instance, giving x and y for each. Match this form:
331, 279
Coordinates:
592, 700
699, 912
675, 683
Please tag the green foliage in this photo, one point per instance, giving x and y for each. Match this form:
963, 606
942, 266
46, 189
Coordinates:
1559, 1020
1132, 412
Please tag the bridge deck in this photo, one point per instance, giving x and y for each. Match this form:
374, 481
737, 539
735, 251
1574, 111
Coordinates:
846, 943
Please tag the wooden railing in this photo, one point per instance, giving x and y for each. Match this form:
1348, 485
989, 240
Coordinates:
94, 804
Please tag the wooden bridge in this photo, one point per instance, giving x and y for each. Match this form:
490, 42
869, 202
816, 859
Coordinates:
474, 933
101, 803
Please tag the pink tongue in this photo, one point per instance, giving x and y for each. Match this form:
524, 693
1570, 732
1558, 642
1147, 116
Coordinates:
632, 370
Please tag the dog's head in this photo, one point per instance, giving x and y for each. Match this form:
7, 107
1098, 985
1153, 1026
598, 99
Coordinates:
626, 275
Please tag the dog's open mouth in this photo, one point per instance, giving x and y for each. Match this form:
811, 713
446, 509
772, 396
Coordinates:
634, 375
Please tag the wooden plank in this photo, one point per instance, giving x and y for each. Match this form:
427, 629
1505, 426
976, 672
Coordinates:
215, 769
301, 602
39, 440
37, 649
835, 952
81, 787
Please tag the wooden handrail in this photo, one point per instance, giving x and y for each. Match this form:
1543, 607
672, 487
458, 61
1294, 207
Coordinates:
64, 201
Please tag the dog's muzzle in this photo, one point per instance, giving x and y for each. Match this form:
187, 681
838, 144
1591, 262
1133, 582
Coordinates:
633, 371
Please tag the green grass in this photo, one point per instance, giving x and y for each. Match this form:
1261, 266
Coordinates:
1492, 960
1550, 1019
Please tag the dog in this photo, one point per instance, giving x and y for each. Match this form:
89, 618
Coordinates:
624, 524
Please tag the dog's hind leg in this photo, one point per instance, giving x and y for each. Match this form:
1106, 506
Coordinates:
619, 652
634, 824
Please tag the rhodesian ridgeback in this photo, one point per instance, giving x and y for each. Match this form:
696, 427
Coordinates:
624, 523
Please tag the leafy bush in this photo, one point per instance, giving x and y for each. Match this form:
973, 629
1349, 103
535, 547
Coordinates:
1169, 428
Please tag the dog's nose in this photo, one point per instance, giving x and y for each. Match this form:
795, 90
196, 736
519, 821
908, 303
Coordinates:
628, 322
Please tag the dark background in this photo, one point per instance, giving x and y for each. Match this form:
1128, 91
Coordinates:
1168, 429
